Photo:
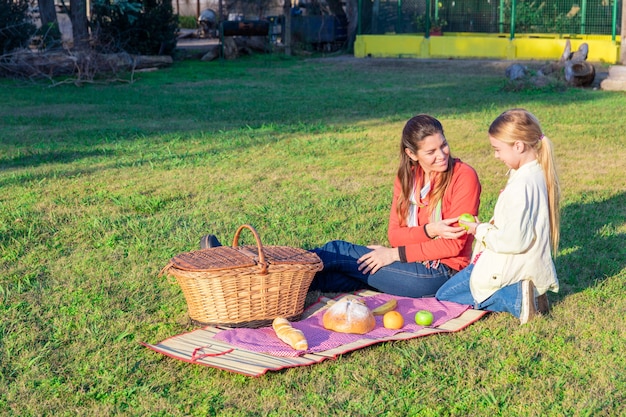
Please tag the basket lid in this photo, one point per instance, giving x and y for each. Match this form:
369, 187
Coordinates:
221, 257
285, 255
226, 257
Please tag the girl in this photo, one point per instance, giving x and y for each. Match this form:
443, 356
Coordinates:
512, 261
431, 190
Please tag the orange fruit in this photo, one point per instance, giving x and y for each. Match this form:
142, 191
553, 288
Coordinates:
393, 320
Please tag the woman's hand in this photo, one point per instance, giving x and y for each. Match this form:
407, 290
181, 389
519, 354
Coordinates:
379, 256
445, 230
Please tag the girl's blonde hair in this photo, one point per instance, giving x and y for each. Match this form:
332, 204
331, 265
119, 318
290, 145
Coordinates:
410, 172
520, 125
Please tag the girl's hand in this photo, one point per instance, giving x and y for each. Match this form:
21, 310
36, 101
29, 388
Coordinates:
379, 256
445, 230
470, 227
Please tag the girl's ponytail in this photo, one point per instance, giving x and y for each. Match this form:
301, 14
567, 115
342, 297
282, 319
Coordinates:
545, 157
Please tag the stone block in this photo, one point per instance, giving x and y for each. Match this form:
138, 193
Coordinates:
617, 72
611, 84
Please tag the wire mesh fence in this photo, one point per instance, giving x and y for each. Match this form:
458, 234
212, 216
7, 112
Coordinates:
510, 17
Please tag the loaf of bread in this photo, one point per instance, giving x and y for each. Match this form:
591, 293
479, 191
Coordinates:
285, 332
349, 316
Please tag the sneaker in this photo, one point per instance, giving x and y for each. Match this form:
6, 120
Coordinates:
529, 308
209, 241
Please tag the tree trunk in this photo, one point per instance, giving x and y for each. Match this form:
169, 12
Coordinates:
78, 17
287, 32
336, 8
49, 35
84, 64
352, 13
47, 13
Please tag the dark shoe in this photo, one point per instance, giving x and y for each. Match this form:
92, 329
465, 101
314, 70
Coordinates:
529, 308
209, 241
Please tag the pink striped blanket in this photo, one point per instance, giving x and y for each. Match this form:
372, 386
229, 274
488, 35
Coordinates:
253, 352
264, 339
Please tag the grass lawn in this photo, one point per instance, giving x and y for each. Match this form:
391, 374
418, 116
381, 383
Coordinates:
103, 184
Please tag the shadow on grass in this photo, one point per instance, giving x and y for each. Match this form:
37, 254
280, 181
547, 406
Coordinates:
239, 96
14, 172
592, 246
153, 154
49, 157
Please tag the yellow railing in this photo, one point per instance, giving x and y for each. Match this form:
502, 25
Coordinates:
485, 46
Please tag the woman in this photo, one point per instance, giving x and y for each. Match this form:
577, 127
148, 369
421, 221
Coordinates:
431, 191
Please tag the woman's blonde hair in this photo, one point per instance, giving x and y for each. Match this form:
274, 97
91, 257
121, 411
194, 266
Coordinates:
409, 172
520, 125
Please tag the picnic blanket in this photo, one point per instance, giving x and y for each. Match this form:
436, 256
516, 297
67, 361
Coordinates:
253, 352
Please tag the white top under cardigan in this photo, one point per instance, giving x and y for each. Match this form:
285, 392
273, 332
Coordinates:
515, 244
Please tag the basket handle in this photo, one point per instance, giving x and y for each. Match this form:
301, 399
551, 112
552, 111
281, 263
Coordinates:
262, 262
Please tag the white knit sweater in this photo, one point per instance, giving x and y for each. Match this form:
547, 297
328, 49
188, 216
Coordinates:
515, 244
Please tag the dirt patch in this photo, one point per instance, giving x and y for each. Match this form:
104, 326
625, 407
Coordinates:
452, 67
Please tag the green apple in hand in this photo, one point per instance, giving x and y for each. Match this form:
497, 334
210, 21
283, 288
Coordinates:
466, 218
424, 318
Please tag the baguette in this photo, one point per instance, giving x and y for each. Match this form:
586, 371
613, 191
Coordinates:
286, 333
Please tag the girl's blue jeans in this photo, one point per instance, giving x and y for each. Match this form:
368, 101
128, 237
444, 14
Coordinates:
341, 273
457, 289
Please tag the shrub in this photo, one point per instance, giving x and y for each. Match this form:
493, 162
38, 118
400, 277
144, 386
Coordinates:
149, 27
47, 36
188, 22
16, 28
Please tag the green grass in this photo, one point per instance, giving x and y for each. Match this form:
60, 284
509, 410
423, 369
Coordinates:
102, 185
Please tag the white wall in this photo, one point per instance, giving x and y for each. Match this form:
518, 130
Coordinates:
194, 7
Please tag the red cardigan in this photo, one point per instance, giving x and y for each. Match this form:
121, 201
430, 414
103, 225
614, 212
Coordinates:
462, 196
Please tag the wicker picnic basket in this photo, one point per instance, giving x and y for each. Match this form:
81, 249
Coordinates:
244, 286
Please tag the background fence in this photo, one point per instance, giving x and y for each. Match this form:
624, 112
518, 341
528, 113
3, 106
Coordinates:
584, 17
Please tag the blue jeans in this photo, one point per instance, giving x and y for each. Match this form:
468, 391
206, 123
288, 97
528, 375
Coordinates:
457, 289
341, 274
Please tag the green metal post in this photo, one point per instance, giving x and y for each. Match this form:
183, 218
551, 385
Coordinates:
614, 21
375, 15
583, 16
359, 14
501, 24
399, 23
513, 6
427, 21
